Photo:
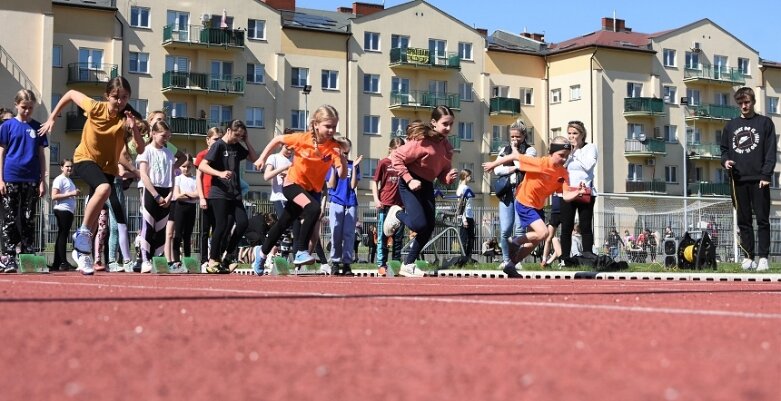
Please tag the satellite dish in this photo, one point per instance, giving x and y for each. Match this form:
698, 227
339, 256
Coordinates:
641, 137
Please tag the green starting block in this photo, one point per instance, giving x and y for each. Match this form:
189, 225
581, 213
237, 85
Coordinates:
191, 264
393, 268
281, 267
32, 263
159, 265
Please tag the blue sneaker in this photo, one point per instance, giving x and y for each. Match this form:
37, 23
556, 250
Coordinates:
303, 258
258, 265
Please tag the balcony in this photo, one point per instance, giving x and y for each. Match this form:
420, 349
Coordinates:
648, 147
188, 126
704, 151
91, 73
75, 120
643, 106
231, 85
712, 112
414, 58
710, 189
195, 35
505, 106
424, 99
455, 142
650, 187
709, 74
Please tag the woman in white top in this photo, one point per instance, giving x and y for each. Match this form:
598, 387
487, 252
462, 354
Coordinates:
64, 194
186, 195
467, 230
581, 165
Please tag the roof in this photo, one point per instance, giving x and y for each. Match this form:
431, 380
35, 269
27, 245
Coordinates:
510, 42
99, 4
770, 63
317, 20
619, 40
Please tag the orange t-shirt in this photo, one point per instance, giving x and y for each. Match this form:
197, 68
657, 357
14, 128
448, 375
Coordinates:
310, 164
102, 138
542, 179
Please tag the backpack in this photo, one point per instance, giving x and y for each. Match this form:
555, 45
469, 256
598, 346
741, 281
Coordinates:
603, 263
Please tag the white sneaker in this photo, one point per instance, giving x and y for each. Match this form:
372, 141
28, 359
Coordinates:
391, 223
128, 266
762, 265
411, 270
115, 267
748, 264
505, 265
177, 268
325, 268
82, 241
146, 267
83, 263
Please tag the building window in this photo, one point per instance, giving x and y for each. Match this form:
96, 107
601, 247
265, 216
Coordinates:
692, 61
330, 80
399, 127
635, 172
256, 73
368, 169
671, 133
57, 56
671, 174
400, 85
298, 119
465, 51
465, 131
139, 17
371, 125
91, 59
299, 77
530, 135
437, 87
139, 105
694, 97
669, 57
437, 48
634, 89
500, 91
527, 96
255, 118
722, 98
670, 94
555, 96
371, 41
743, 66
175, 109
465, 91
555, 132
177, 63
179, 21
256, 29
399, 42
720, 63
220, 115
54, 153
574, 92
139, 63
693, 136
634, 131
371, 83
56, 99
772, 105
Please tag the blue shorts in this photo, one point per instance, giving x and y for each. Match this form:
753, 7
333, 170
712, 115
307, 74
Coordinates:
528, 215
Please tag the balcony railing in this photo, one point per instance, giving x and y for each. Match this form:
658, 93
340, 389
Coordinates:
700, 151
75, 120
91, 72
455, 142
725, 75
712, 112
651, 146
654, 186
423, 58
198, 35
505, 105
710, 188
643, 106
227, 84
415, 99
188, 126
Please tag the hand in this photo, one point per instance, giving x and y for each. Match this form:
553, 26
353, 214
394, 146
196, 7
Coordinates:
77, 192
488, 166
413, 185
46, 127
227, 174
729, 164
203, 204
259, 164
130, 120
41, 189
452, 175
763, 184
358, 160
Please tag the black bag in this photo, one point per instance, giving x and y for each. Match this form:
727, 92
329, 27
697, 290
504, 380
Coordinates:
502, 185
589, 260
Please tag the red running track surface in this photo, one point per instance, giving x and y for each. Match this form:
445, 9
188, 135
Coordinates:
199, 337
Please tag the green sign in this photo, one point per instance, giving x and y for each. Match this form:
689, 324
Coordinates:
419, 56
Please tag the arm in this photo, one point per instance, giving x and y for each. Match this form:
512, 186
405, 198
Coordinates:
586, 158
275, 142
204, 167
488, 166
356, 170
42, 162
137, 138
769, 163
2, 163
143, 168
724, 147
199, 188
571, 194
330, 183
124, 161
177, 191
270, 172
375, 194
69, 96
253, 155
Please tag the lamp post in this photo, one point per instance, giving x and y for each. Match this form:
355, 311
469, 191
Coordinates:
307, 90
685, 106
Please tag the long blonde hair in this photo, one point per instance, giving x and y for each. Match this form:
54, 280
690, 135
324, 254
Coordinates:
418, 130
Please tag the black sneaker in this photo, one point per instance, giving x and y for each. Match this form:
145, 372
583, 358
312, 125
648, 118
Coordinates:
10, 266
336, 269
347, 271
511, 272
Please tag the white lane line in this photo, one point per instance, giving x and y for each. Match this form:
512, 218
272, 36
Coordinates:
434, 298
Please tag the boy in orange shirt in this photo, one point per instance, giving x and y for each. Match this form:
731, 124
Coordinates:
544, 176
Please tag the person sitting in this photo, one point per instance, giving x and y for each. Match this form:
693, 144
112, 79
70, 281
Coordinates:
491, 249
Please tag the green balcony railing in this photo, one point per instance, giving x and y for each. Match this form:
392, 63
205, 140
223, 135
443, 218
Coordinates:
703, 150
650, 146
195, 34
654, 186
643, 106
505, 105
455, 141
233, 84
417, 98
75, 120
416, 57
188, 126
91, 72
731, 76
710, 188
713, 111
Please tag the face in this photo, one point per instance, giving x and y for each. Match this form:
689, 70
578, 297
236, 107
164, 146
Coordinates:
516, 137
235, 135
574, 136
66, 169
746, 106
160, 138
560, 157
286, 151
326, 129
117, 100
185, 168
24, 110
155, 118
443, 125
210, 140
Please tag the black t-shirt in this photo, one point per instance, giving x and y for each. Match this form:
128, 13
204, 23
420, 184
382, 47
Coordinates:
222, 157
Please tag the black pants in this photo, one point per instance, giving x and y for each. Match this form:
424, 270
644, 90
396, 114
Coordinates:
585, 222
91, 173
19, 204
184, 223
748, 197
467, 235
64, 223
227, 212
418, 215
207, 223
310, 214
153, 230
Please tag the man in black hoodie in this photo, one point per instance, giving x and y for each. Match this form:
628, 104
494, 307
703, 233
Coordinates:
748, 152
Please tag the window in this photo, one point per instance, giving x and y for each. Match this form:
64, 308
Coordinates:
464, 51
634, 131
670, 94
256, 29
772, 105
177, 63
743, 66
371, 83
671, 174
671, 133
668, 57
139, 17
465, 131
180, 25
57, 56
693, 136
437, 48
54, 153
330, 80
255, 117
500, 91
692, 61
256, 73
56, 99
175, 109
722, 99
694, 97
437, 87
499, 137
635, 172
220, 115
527, 96
139, 63
371, 125
698, 174
221, 75
720, 65
634, 89
555, 132
574, 92
298, 119
722, 176
399, 127
400, 85
555, 96
399, 42
369, 167
139, 105
90, 58
371, 41
465, 91
299, 77
530, 135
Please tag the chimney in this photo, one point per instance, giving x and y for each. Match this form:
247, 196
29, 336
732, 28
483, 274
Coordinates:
614, 24
345, 10
287, 5
367, 8
482, 31
534, 36
607, 24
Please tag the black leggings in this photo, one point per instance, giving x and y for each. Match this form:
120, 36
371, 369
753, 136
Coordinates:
184, 223
64, 223
585, 222
227, 212
310, 214
94, 177
207, 223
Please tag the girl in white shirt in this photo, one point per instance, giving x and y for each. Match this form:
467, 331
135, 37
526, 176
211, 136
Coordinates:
64, 194
186, 195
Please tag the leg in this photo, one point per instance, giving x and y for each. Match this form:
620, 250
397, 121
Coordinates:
586, 224
64, 222
206, 225
418, 215
240, 218
348, 235
223, 222
336, 222
382, 244
568, 210
11, 202
760, 201
507, 221
742, 197
29, 211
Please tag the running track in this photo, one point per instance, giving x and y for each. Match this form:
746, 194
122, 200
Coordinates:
199, 337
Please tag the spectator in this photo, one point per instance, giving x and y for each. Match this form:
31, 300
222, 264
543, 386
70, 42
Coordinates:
580, 165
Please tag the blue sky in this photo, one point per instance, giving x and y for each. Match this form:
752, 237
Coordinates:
753, 22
